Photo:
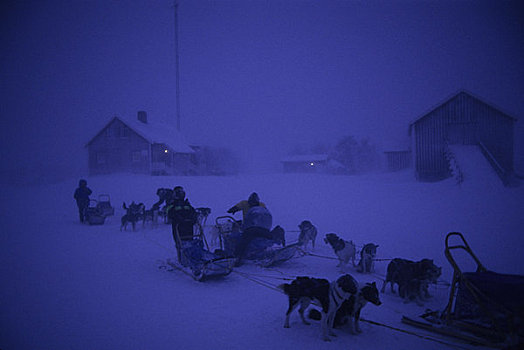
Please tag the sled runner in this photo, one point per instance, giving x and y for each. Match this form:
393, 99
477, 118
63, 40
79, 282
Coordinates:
104, 204
277, 256
265, 251
194, 259
93, 214
484, 307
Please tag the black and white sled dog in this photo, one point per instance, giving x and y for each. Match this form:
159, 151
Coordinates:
134, 212
349, 311
308, 233
412, 278
344, 250
303, 290
367, 258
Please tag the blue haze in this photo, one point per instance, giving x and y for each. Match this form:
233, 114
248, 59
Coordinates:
259, 77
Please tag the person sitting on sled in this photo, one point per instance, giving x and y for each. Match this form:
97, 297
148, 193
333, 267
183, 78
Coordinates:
183, 216
252, 201
256, 224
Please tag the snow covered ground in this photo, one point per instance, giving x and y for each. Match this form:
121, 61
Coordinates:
71, 286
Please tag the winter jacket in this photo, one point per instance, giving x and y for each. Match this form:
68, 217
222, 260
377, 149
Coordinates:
81, 195
183, 214
244, 206
258, 217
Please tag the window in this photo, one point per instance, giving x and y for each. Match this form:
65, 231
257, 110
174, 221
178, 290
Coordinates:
123, 132
137, 156
101, 158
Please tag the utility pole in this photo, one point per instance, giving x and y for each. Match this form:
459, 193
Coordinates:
177, 82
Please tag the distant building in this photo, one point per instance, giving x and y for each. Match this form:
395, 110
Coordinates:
398, 160
136, 146
307, 163
462, 119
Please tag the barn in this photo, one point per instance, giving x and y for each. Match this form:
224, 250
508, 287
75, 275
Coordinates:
462, 119
137, 146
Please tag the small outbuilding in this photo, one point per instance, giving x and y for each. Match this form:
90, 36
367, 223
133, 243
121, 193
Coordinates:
398, 160
137, 146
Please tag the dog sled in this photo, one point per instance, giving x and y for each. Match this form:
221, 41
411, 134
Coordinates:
264, 251
194, 256
93, 214
104, 204
484, 307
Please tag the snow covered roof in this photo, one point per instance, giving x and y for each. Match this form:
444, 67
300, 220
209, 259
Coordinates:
157, 133
160, 133
305, 158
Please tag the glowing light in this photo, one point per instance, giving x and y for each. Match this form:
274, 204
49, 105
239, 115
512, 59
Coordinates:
165, 151
311, 163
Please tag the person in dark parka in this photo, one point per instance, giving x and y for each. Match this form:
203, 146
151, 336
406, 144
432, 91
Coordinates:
81, 195
183, 216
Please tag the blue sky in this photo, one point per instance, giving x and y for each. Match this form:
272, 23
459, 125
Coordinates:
256, 76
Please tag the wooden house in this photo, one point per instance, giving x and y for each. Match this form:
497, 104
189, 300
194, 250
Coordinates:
463, 119
136, 146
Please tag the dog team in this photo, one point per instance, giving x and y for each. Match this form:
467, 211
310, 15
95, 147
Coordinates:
340, 301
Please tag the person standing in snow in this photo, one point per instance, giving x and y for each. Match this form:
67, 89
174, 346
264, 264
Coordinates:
252, 201
183, 216
81, 195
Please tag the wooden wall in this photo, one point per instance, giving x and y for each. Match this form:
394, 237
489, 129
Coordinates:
464, 120
118, 148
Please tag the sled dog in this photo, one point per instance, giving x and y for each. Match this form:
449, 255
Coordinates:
412, 278
303, 290
133, 213
367, 256
343, 249
308, 233
350, 309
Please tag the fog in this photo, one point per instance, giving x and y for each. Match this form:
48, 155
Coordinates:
258, 77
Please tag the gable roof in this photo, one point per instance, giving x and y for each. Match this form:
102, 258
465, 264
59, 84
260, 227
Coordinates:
452, 97
153, 133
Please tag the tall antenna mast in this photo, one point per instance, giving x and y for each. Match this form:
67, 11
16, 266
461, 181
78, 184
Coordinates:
176, 69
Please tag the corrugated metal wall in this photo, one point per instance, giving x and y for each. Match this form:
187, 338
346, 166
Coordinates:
465, 120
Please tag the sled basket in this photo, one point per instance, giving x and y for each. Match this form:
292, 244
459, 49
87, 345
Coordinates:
104, 204
93, 214
197, 261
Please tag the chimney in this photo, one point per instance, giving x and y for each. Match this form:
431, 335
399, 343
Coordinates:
142, 116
